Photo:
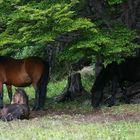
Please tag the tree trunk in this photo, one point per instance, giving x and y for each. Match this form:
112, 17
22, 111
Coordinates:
73, 89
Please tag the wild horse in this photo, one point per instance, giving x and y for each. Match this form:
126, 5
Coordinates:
128, 70
23, 72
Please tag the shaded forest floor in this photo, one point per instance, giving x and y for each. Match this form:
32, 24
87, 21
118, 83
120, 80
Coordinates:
74, 120
119, 123
129, 113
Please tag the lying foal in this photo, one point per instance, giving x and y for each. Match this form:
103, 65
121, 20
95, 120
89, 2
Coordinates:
18, 109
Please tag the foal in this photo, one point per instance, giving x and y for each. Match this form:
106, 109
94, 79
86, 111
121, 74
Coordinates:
18, 109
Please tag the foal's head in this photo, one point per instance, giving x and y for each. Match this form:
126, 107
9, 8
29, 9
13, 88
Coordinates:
20, 97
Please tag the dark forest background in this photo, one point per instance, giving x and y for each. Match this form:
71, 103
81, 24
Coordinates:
69, 33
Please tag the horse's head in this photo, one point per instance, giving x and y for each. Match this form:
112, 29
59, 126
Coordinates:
20, 97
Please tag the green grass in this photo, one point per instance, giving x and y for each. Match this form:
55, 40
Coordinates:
64, 128
74, 120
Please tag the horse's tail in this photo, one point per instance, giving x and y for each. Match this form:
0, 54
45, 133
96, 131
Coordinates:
43, 84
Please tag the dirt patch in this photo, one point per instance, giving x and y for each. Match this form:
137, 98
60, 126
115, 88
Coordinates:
92, 116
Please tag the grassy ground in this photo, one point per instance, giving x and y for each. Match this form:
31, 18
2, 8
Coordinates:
74, 120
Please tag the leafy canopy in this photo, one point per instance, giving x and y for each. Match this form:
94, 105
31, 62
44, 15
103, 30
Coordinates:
27, 27
36, 24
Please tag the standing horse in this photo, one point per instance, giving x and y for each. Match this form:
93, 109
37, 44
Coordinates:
23, 72
128, 70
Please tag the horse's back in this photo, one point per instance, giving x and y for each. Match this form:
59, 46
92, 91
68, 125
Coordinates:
35, 67
9, 67
21, 72
126, 70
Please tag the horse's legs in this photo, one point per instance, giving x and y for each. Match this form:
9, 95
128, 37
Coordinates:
36, 105
96, 98
9, 89
126, 99
1, 95
113, 95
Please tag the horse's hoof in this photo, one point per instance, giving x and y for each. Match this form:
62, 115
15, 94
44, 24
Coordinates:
95, 106
110, 105
127, 101
96, 109
35, 108
110, 102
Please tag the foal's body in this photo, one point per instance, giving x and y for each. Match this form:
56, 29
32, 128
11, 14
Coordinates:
15, 111
19, 109
129, 70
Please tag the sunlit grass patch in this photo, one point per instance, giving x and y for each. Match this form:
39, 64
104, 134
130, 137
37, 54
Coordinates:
64, 128
55, 88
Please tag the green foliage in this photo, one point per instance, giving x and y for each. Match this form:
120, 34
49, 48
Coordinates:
111, 44
27, 27
118, 44
30, 51
36, 24
113, 2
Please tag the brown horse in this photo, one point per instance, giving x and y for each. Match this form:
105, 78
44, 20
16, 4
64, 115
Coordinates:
19, 109
23, 72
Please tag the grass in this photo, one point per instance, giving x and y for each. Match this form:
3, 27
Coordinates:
74, 120
63, 128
